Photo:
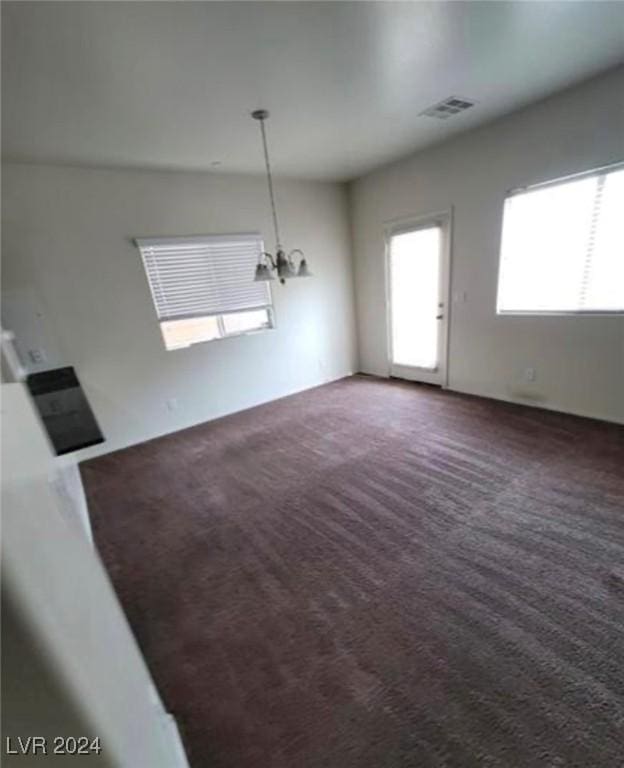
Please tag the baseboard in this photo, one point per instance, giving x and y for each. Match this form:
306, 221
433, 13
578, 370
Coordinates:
83, 456
541, 405
505, 398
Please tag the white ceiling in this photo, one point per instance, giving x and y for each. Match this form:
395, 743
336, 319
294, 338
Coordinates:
171, 84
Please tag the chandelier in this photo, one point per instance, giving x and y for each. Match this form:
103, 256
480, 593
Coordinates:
282, 264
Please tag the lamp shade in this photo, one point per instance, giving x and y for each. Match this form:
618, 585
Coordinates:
303, 269
284, 266
263, 273
285, 270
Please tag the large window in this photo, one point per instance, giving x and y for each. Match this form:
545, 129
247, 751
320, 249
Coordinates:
203, 287
562, 247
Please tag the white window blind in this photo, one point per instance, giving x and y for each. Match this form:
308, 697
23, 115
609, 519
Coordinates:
562, 247
203, 276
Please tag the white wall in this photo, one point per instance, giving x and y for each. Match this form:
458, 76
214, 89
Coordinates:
64, 619
579, 360
68, 255
33, 700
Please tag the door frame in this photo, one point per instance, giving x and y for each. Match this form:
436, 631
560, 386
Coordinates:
444, 219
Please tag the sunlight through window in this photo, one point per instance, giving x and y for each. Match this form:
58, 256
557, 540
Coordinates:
563, 247
414, 282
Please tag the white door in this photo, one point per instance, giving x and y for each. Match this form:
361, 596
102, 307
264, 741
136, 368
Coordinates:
418, 276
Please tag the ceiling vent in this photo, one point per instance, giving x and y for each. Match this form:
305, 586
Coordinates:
449, 107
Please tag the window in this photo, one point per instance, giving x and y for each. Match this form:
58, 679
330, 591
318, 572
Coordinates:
562, 247
203, 287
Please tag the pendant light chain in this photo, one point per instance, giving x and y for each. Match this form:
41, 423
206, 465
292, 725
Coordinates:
270, 182
279, 263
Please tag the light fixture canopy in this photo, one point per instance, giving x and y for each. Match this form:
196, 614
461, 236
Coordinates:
281, 263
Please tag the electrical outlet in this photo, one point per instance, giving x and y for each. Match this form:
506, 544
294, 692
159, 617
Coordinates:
172, 404
36, 356
529, 374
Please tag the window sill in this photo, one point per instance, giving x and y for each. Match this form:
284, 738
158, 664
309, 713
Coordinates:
560, 313
255, 332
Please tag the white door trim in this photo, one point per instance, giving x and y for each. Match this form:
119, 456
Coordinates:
405, 224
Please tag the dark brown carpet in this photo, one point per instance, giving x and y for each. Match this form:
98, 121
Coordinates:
376, 574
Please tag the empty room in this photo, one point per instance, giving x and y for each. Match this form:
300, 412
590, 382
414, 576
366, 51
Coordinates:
313, 384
